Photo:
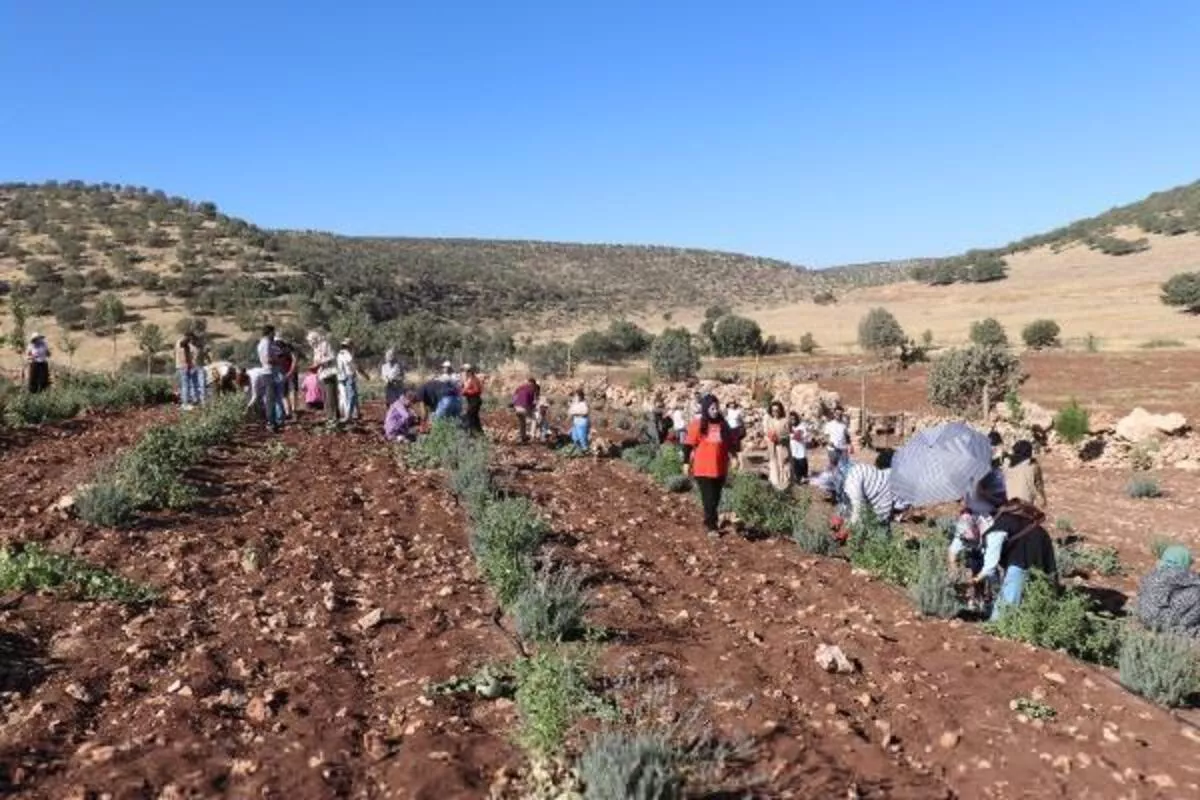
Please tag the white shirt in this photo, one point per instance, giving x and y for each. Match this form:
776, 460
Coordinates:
391, 372
679, 420
733, 417
322, 353
837, 433
578, 408
799, 448
265, 348
39, 353
345, 365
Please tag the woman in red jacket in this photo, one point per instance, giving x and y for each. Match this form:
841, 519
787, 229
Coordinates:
711, 443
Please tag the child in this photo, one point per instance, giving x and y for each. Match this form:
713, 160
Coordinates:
313, 399
968, 541
580, 420
541, 420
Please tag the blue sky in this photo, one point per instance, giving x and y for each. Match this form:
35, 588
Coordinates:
821, 133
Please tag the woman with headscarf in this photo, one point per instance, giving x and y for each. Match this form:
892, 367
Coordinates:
779, 456
711, 445
1016, 543
325, 362
1023, 476
1168, 598
401, 421
391, 372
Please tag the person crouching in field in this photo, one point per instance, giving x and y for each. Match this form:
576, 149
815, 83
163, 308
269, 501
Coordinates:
1016, 543
400, 424
711, 444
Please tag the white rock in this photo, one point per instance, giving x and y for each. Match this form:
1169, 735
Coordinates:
830, 658
1141, 426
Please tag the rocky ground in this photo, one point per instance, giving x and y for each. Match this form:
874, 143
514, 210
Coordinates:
321, 586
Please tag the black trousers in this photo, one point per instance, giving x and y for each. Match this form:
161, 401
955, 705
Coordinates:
39, 376
800, 468
710, 498
472, 422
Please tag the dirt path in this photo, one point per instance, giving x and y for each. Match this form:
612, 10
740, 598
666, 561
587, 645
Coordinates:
927, 716
256, 677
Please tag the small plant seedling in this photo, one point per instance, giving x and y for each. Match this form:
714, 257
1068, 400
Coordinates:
1033, 709
1143, 489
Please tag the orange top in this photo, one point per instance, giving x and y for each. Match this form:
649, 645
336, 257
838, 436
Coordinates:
472, 387
710, 451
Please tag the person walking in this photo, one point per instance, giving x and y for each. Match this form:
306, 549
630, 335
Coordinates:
798, 445
185, 369
581, 424
391, 372
525, 403
779, 454
37, 364
472, 392
711, 442
325, 362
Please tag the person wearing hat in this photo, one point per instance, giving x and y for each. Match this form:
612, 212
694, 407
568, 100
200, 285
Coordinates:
37, 364
347, 375
472, 392
1168, 598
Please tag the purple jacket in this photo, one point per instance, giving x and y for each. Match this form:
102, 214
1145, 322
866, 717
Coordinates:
526, 396
398, 422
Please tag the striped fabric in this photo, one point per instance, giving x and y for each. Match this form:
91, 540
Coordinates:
940, 464
867, 486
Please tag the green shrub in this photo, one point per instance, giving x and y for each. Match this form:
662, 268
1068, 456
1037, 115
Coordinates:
958, 378
640, 457
760, 506
678, 484
808, 345
1041, 334
1143, 489
879, 332
813, 538
1066, 559
630, 766
1033, 709
436, 449
872, 547
506, 535
1058, 620
552, 692
551, 608
106, 504
37, 409
733, 336
1064, 524
1100, 560
471, 480
988, 333
1016, 411
1162, 344
1163, 668
33, 568
933, 591
1141, 457
673, 355
1183, 291
1072, 423
667, 463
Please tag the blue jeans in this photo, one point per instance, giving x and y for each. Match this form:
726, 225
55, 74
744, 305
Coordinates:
198, 387
581, 429
1011, 591
449, 406
350, 390
189, 392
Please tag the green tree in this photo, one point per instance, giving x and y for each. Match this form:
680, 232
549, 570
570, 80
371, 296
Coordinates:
628, 339
20, 314
736, 336
70, 346
106, 318
551, 358
595, 347
988, 333
988, 268
958, 379
879, 332
808, 345
151, 341
1183, 291
711, 315
673, 355
1041, 334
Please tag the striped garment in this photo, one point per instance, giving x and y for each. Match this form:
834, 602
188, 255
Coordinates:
866, 485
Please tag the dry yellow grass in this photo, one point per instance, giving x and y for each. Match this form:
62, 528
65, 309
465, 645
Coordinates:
1116, 298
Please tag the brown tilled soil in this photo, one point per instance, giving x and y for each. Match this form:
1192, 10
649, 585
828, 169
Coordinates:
256, 677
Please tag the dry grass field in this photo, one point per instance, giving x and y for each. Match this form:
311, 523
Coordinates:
1115, 298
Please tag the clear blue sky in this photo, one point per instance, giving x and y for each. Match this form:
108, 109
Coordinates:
817, 132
